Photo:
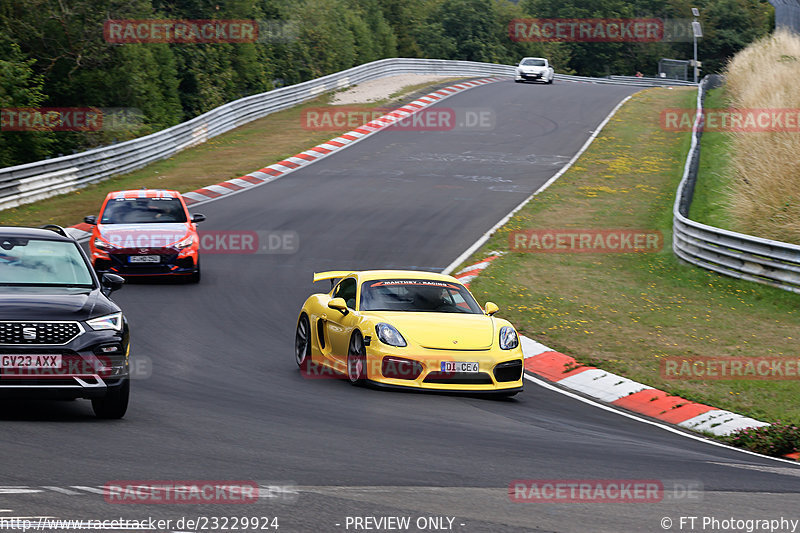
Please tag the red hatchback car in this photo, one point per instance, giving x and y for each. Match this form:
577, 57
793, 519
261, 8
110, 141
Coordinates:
145, 232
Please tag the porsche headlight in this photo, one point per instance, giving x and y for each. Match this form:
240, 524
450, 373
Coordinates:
185, 243
100, 244
389, 335
508, 338
112, 321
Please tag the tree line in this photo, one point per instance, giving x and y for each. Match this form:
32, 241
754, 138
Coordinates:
53, 53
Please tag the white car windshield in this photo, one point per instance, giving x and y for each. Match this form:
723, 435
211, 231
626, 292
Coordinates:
532, 62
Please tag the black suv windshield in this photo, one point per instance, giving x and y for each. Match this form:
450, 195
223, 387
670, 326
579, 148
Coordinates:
39, 262
143, 210
417, 295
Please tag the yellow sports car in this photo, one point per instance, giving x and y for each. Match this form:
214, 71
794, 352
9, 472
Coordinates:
409, 329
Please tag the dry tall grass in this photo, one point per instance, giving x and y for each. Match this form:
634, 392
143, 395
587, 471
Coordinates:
765, 198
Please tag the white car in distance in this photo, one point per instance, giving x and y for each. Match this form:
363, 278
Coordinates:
534, 68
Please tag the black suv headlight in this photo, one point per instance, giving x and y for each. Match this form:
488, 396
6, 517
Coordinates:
112, 321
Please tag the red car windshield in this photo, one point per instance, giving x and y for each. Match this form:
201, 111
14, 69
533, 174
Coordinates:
417, 295
143, 211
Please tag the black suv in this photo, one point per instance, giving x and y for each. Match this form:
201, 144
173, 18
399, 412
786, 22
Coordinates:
61, 337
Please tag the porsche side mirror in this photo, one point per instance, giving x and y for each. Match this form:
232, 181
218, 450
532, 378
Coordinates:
491, 308
338, 304
91, 219
198, 217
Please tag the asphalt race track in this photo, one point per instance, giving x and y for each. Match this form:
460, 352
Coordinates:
224, 400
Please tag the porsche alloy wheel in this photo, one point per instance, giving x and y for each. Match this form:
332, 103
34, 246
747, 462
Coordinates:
302, 342
357, 360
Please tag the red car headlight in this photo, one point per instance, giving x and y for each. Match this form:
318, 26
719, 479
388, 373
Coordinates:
185, 243
102, 245
400, 368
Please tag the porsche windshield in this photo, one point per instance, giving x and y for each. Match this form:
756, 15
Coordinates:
38, 262
417, 295
533, 62
143, 210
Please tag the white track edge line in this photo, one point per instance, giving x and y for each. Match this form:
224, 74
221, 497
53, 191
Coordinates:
485, 237
626, 414
469, 251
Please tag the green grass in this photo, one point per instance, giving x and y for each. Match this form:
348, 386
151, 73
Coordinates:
235, 153
709, 205
626, 312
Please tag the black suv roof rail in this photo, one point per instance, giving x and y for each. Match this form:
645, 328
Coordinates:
58, 229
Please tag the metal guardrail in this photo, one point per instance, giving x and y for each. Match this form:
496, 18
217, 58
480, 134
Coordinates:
34, 181
627, 80
726, 252
654, 81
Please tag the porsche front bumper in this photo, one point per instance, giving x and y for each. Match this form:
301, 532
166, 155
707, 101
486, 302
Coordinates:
498, 370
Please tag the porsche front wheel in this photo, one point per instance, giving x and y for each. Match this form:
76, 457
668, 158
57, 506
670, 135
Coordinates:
302, 343
357, 360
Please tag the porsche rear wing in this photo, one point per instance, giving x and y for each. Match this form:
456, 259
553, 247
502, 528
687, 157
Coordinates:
332, 275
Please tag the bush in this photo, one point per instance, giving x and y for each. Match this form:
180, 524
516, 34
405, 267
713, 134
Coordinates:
777, 440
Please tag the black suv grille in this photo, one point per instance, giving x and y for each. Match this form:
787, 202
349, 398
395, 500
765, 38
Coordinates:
38, 332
